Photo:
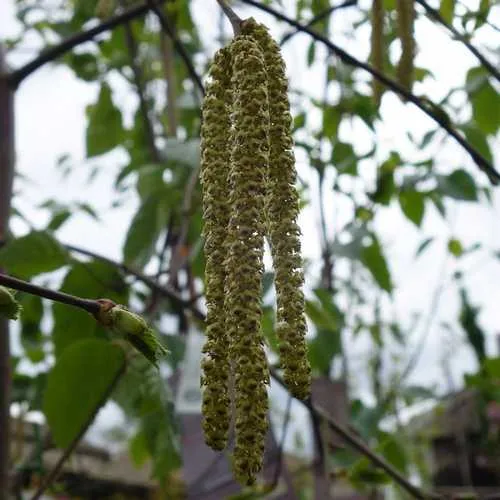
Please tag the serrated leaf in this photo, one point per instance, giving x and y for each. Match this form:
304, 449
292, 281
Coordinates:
105, 129
477, 138
37, 252
412, 204
485, 101
77, 386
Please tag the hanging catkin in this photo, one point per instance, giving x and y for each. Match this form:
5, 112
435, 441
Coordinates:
248, 178
282, 208
406, 17
249, 167
215, 159
377, 47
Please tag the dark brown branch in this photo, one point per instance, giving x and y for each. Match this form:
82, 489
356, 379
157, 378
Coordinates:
91, 306
434, 14
150, 282
179, 47
234, 19
427, 107
52, 476
52, 53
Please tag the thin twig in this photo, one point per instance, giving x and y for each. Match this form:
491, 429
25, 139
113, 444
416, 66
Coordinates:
319, 17
434, 14
234, 19
179, 47
52, 476
91, 306
150, 282
427, 107
52, 53
279, 465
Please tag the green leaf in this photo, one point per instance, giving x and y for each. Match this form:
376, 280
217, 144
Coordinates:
446, 9
344, 158
104, 130
413, 205
311, 52
374, 260
477, 139
144, 230
484, 99
458, 185
77, 387
36, 253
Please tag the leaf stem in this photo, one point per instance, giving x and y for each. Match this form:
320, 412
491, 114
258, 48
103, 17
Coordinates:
234, 19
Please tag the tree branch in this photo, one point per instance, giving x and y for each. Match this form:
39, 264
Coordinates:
91, 306
165, 24
52, 476
434, 14
426, 106
150, 282
52, 53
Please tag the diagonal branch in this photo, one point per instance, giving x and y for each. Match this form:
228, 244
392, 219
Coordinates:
165, 25
434, 14
429, 108
52, 53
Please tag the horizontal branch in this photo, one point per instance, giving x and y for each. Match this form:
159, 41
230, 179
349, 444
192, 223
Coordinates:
52, 53
91, 306
427, 107
150, 282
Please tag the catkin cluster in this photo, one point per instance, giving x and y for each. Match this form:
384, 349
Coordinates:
248, 180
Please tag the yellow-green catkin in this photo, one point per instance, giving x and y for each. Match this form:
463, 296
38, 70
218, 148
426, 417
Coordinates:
377, 47
282, 209
215, 158
249, 166
406, 16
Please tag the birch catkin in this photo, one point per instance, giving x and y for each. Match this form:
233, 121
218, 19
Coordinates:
406, 16
282, 208
249, 168
377, 47
248, 178
215, 159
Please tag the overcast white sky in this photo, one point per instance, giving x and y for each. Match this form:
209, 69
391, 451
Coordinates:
50, 121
